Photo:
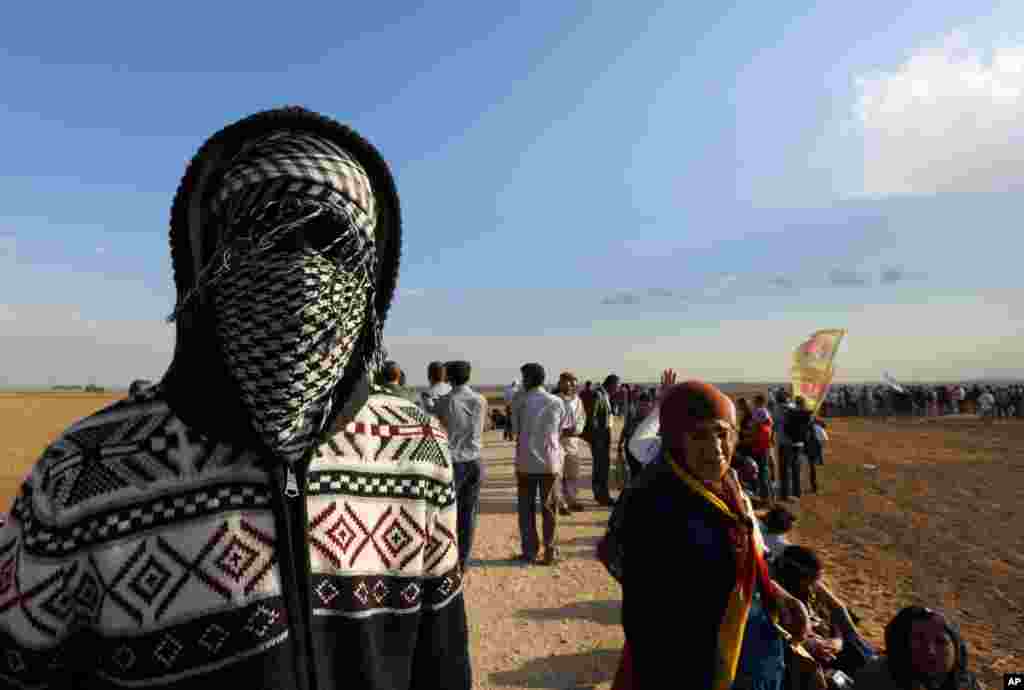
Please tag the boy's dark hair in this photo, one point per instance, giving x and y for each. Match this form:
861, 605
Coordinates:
779, 520
794, 564
533, 375
435, 372
610, 380
458, 372
390, 371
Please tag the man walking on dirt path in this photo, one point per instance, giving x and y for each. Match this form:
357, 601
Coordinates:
539, 420
462, 413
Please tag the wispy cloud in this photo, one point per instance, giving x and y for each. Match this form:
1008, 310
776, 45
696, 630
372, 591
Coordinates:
622, 298
841, 277
716, 288
898, 274
731, 285
720, 286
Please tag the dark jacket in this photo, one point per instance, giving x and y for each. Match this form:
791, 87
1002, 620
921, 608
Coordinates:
683, 575
798, 425
157, 543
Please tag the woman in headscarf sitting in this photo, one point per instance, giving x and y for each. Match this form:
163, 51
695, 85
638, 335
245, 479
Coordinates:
692, 556
833, 642
924, 651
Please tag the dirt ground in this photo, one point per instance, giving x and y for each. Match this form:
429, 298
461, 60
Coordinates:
910, 511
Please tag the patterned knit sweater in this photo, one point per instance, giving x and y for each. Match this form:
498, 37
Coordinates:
139, 554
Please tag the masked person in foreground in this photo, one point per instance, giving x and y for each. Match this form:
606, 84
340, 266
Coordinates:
261, 517
692, 554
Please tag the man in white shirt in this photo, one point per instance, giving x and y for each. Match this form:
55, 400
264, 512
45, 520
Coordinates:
539, 422
576, 419
462, 413
437, 376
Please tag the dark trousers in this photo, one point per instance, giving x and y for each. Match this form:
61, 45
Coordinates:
815, 457
507, 431
600, 451
789, 468
764, 483
529, 486
468, 477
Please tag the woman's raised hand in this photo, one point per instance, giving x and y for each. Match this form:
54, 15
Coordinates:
668, 379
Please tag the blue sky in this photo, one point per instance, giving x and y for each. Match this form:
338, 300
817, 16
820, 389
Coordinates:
597, 186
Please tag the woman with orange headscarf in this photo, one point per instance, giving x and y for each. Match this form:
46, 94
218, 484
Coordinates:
699, 608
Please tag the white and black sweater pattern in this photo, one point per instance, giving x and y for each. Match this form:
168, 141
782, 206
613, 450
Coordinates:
155, 550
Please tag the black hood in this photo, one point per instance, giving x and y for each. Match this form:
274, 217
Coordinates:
897, 648
197, 384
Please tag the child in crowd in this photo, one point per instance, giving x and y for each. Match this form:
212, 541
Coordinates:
774, 526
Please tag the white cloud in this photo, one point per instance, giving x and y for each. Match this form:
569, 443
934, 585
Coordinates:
949, 119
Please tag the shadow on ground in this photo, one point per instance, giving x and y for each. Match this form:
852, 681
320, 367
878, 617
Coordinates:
605, 612
570, 671
488, 562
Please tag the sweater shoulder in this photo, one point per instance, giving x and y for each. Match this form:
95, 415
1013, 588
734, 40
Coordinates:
395, 440
126, 453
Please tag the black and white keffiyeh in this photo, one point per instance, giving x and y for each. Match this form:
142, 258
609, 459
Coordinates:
290, 313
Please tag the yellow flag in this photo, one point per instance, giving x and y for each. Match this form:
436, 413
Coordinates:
813, 366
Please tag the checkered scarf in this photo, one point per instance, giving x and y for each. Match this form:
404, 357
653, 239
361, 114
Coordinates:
290, 314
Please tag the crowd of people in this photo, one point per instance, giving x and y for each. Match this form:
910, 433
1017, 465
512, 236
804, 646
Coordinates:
758, 613
280, 510
988, 401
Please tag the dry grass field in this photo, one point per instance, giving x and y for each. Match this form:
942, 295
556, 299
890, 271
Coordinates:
937, 522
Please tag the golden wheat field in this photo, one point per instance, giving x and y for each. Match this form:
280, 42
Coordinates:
910, 511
